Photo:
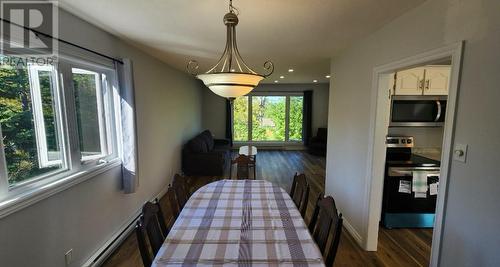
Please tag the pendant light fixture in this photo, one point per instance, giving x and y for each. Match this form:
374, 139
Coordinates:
231, 77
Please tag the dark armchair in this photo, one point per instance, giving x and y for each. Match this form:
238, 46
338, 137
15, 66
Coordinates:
317, 145
205, 156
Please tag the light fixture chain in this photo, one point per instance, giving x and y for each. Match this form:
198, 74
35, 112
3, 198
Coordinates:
233, 9
231, 77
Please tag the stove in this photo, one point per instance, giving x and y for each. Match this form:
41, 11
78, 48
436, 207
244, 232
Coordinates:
404, 204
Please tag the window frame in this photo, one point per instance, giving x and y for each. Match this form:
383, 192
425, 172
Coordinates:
38, 116
74, 170
103, 113
287, 140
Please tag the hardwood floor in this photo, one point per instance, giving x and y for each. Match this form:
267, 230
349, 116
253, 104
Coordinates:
397, 247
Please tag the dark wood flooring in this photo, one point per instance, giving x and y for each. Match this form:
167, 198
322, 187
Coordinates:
397, 247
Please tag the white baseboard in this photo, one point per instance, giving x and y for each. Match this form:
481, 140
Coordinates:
352, 231
98, 258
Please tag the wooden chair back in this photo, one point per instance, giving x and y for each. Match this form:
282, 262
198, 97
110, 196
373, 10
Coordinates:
300, 192
243, 164
179, 186
174, 206
325, 216
150, 229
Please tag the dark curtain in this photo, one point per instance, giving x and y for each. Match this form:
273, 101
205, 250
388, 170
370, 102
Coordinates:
229, 121
307, 117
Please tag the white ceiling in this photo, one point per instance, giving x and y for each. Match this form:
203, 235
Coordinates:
298, 34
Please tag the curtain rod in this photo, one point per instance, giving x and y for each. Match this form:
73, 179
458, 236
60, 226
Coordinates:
63, 41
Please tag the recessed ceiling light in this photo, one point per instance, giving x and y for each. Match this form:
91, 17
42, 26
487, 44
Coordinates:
328, 76
282, 77
315, 81
232, 70
290, 70
276, 81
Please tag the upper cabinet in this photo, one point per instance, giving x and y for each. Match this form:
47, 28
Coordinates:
409, 82
437, 80
428, 80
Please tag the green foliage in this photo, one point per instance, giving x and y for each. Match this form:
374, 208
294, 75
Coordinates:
268, 118
17, 121
240, 122
296, 117
17, 124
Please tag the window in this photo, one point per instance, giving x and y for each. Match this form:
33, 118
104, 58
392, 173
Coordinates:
296, 118
268, 118
46, 115
90, 113
240, 115
30, 122
42, 128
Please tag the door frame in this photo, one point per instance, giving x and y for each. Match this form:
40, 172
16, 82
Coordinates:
379, 123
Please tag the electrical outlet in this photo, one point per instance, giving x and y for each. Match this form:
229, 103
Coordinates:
68, 257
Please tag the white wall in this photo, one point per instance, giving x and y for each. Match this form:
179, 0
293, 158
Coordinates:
471, 235
214, 113
214, 109
84, 216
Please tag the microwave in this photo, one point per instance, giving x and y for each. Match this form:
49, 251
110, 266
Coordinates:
418, 111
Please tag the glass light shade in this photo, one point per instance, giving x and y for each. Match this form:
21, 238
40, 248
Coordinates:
229, 84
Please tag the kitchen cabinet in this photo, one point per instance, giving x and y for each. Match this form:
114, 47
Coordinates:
428, 80
437, 80
409, 82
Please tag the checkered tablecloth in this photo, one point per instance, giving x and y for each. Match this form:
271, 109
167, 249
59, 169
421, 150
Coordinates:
239, 223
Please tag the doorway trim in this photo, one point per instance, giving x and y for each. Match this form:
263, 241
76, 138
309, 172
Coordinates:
379, 123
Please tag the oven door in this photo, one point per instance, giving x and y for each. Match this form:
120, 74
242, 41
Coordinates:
403, 209
417, 111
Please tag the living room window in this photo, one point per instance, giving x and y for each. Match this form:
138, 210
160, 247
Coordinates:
90, 94
30, 116
42, 128
268, 118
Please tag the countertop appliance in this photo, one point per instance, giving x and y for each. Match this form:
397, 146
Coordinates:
402, 207
418, 111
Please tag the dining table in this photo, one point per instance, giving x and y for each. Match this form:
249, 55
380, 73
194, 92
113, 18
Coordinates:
239, 223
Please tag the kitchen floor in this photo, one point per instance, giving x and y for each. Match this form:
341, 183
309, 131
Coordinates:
397, 247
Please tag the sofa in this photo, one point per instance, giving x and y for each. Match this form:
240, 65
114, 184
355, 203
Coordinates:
205, 156
317, 144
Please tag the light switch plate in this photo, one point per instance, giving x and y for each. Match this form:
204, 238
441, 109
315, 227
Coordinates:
460, 152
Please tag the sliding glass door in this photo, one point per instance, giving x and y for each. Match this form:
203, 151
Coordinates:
273, 118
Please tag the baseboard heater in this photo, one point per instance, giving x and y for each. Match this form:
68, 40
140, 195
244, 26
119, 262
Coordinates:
110, 246
98, 258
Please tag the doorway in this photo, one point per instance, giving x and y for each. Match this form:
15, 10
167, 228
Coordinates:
382, 80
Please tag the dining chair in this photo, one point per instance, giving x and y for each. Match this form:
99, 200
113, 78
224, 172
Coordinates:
184, 181
150, 229
174, 206
243, 164
253, 165
300, 192
325, 216
179, 186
